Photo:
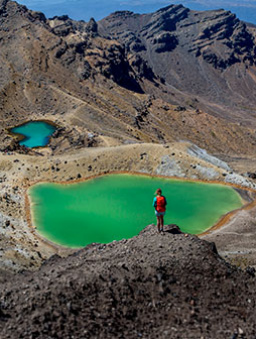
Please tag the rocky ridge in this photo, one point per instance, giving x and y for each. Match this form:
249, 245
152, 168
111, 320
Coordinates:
150, 286
95, 80
200, 33
196, 52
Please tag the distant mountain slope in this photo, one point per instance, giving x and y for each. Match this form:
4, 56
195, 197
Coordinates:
210, 55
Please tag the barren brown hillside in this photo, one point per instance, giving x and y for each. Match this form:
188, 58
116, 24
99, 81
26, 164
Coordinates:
103, 91
209, 55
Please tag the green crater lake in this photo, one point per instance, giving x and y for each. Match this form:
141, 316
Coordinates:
35, 133
118, 206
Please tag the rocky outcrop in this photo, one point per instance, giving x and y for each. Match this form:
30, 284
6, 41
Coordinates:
116, 67
164, 31
165, 20
166, 286
157, 28
92, 27
165, 42
200, 153
3, 4
89, 54
236, 41
183, 47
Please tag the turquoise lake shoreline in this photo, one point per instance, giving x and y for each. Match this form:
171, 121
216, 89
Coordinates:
118, 206
34, 133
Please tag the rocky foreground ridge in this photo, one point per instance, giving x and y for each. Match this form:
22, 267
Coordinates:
150, 286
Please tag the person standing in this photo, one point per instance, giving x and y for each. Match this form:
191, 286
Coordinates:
159, 203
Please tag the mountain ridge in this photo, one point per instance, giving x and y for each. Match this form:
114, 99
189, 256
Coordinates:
199, 43
68, 71
171, 287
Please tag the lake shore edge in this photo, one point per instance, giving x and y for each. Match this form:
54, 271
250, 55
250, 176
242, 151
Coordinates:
18, 137
248, 203
167, 161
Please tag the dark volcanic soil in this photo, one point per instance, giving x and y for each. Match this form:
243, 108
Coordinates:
151, 286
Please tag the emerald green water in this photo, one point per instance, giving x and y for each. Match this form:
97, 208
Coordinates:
114, 207
36, 133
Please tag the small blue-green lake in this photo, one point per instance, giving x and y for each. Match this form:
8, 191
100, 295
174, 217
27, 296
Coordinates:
114, 207
34, 133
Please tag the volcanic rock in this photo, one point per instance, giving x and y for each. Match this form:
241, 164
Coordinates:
88, 76
185, 48
166, 286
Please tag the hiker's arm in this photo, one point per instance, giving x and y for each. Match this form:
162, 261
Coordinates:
154, 203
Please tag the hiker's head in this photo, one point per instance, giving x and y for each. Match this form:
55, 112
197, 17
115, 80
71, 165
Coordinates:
159, 191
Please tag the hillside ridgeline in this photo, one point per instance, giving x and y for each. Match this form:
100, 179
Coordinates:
173, 75
150, 286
